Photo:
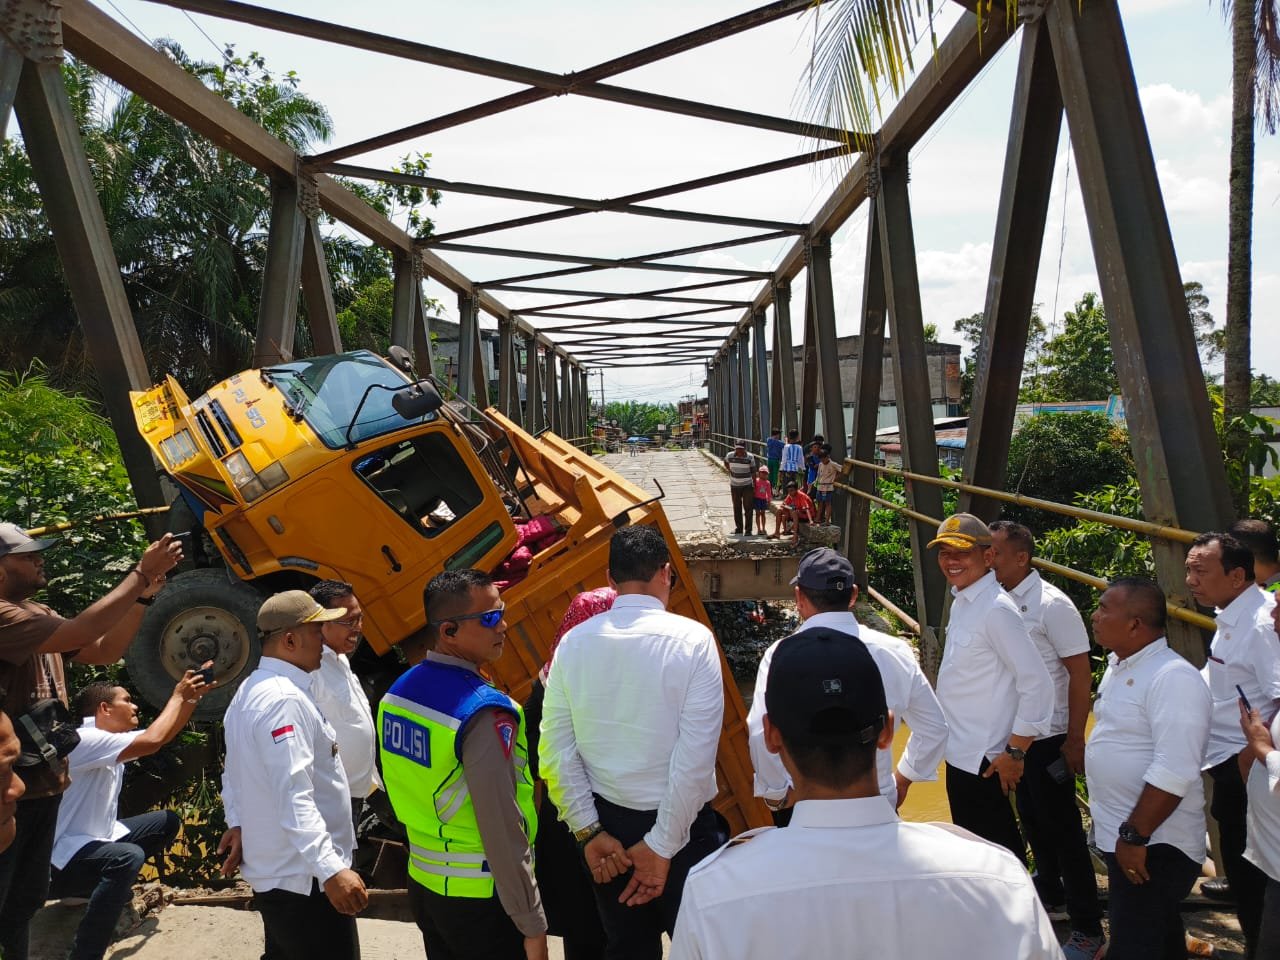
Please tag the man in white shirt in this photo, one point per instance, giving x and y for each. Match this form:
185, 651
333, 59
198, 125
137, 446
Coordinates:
96, 855
286, 796
825, 594
1243, 653
340, 697
1046, 793
1262, 761
847, 871
993, 687
1151, 723
630, 727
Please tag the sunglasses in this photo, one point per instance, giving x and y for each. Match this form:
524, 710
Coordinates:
490, 618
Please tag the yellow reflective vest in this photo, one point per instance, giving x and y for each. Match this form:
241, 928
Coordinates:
418, 722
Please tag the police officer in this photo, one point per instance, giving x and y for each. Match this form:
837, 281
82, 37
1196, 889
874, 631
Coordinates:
455, 764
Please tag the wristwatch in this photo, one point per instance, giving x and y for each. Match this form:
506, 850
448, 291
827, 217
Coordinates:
775, 805
1015, 753
587, 834
1128, 834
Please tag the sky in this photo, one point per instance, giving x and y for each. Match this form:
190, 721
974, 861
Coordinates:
575, 145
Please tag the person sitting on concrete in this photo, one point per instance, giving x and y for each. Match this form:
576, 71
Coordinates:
95, 855
796, 509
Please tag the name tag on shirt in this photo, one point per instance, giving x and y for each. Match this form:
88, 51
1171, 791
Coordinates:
406, 738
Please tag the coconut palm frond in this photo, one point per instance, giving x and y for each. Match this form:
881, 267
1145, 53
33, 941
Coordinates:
862, 54
861, 51
1268, 63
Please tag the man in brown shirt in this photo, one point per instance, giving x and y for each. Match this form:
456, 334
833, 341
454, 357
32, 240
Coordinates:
33, 642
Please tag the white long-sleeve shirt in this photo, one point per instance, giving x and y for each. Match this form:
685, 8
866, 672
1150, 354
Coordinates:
907, 694
992, 683
847, 878
1244, 651
1151, 723
342, 702
633, 712
1263, 847
283, 784
1057, 629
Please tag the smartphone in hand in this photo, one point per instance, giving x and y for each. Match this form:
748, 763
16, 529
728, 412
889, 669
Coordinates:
1243, 698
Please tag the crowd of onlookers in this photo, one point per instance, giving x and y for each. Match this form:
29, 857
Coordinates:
802, 480
587, 810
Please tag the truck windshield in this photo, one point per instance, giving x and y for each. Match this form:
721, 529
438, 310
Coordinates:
325, 392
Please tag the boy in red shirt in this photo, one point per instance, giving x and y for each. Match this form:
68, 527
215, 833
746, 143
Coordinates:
763, 495
796, 508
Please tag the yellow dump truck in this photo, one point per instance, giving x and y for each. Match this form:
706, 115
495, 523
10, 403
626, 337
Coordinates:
349, 467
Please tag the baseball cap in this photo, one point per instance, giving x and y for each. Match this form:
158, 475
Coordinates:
292, 607
763, 470
13, 539
823, 569
740, 443
824, 684
962, 531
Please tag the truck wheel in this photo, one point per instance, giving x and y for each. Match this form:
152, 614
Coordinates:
201, 615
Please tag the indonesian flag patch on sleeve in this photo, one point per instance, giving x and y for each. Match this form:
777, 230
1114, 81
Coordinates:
505, 727
282, 733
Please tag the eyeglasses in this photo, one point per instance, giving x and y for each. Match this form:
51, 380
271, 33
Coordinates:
490, 618
355, 623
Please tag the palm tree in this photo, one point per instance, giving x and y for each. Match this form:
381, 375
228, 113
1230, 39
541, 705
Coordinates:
1255, 93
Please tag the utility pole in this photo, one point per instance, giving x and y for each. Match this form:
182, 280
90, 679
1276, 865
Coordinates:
601, 372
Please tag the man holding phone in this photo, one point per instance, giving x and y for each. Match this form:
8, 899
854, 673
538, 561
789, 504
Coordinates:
1046, 794
96, 855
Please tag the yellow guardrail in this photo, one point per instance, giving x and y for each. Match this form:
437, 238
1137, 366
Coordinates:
104, 518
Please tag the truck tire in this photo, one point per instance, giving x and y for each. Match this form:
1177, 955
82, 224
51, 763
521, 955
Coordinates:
200, 615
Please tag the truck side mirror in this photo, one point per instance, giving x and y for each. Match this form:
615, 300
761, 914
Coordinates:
401, 358
417, 400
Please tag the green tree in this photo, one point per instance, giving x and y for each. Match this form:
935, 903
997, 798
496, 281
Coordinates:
1210, 341
641, 419
1057, 456
188, 225
970, 328
59, 461
1078, 363
1264, 391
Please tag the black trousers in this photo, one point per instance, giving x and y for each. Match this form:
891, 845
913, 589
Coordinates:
463, 928
635, 933
1269, 932
24, 872
743, 507
1145, 921
979, 805
1051, 822
305, 926
1248, 884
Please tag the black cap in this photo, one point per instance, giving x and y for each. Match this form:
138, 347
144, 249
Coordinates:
823, 569
824, 684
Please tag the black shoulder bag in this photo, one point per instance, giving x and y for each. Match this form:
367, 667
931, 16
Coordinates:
47, 732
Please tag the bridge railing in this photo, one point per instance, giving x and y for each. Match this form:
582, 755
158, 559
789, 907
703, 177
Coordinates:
723, 444
1177, 534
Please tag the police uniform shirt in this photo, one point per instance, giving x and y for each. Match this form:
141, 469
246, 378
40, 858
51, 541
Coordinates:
1151, 722
342, 702
1244, 651
283, 783
907, 694
992, 683
1057, 629
633, 711
848, 878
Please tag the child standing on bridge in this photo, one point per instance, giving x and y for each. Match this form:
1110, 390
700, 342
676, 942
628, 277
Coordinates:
763, 494
825, 483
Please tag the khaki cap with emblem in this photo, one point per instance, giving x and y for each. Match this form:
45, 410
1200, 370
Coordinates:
291, 608
962, 531
13, 539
